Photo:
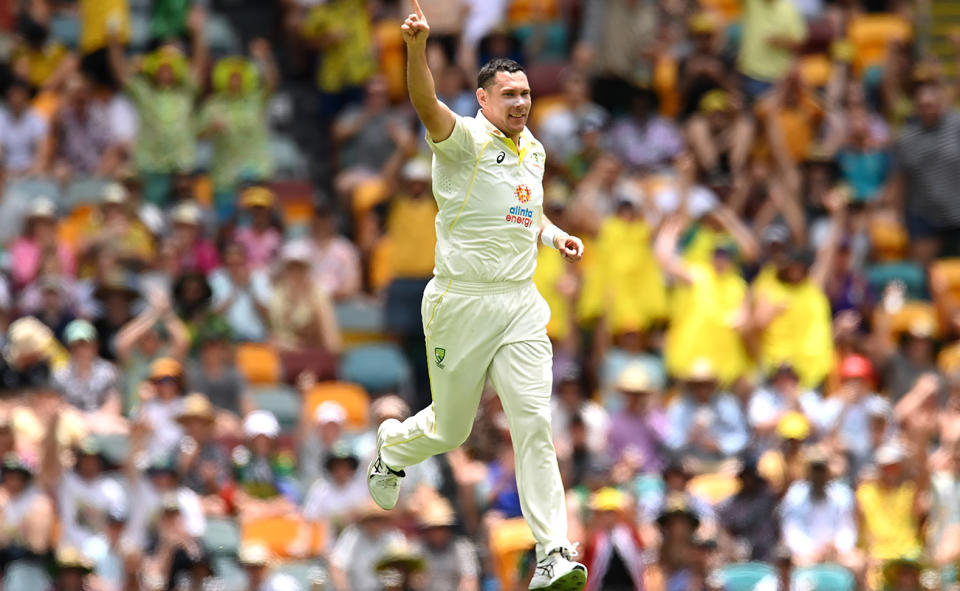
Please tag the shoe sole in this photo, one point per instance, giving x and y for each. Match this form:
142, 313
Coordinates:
574, 580
387, 506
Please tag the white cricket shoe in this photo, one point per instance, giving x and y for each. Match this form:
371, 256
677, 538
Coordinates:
382, 482
557, 572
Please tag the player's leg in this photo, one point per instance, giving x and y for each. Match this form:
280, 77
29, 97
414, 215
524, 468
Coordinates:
458, 355
521, 374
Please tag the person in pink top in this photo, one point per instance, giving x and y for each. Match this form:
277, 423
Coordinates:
194, 251
336, 266
39, 238
263, 236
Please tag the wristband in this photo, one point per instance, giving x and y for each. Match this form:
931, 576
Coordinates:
549, 235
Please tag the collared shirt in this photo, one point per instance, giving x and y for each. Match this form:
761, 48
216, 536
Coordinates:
489, 193
724, 421
810, 523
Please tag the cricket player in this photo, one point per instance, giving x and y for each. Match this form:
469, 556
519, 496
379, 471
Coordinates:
482, 315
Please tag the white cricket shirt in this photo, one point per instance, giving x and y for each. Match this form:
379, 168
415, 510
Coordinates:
490, 200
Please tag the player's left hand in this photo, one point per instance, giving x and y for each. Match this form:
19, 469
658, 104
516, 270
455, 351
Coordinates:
570, 247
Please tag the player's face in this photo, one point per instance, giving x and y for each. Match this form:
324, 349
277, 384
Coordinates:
506, 102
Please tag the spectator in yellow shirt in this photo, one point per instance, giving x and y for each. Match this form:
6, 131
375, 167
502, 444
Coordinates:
891, 506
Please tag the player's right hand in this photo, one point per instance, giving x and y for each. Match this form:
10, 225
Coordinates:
415, 28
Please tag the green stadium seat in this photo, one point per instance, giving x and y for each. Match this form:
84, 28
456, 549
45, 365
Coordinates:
379, 368
912, 275
115, 447
288, 161
824, 577
26, 575
230, 573
88, 191
222, 537
308, 574
282, 401
744, 576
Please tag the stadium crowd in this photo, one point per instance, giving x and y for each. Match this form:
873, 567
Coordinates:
217, 221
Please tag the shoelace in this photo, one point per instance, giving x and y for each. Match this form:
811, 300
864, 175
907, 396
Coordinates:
546, 569
384, 470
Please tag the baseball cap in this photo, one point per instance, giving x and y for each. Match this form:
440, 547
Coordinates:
186, 213
257, 197
42, 207
793, 425
165, 367
856, 366
80, 331
298, 251
609, 499
261, 422
330, 412
634, 378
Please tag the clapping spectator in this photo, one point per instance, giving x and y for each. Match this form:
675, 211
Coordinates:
746, 516
38, 240
451, 559
215, 373
235, 117
194, 252
336, 263
241, 295
560, 131
639, 429
614, 553
359, 546
264, 473
339, 491
201, 461
90, 383
262, 237
705, 421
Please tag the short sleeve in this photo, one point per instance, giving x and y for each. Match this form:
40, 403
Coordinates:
459, 146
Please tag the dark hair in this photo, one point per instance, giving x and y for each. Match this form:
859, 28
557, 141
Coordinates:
500, 64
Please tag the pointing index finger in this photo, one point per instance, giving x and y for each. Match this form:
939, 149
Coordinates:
417, 9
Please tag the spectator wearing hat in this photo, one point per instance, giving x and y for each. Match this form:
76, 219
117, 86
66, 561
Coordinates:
22, 131
72, 570
672, 570
644, 140
559, 131
334, 261
675, 478
302, 320
115, 228
215, 373
85, 493
202, 462
114, 294
704, 421
703, 70
817, 516
257, 562
261, 236
193, 251
358, 548
785, 464
891, 506
718, 132
38, 240
451, 559
178, 558
904, 360
27, 513
747, 515
161, 400
848, 409
163, 93
638, 430
614, 552
401, 568
783, 394
235, 118
88, 382
263, 472
241, 294
27, 356
711, 315
327, 428
80, 141
340, 491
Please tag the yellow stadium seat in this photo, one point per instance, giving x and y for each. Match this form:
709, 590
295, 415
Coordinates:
915, 314
259, 363
815, 70
889, 239
203, 191
949, 358
509, 539
714, 487
947, 273
286, 537
351, 397
728, 9
871, 35
368, 194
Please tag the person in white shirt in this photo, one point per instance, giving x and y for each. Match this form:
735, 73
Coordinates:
483, 316
818, 516
339, 491
22, 131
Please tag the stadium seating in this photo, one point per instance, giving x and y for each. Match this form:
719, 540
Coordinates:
871, 35
350, 396
258, 363
379, 368
287, 537
911, 274
509, 539
222, 537
824, 577
26, 575
282, 401
744, 576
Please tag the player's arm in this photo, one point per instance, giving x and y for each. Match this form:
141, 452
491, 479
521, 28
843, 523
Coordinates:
569, 246
436, 116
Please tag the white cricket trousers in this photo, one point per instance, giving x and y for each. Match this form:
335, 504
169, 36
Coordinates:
476, 330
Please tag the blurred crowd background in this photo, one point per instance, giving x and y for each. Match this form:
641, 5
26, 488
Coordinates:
216, 223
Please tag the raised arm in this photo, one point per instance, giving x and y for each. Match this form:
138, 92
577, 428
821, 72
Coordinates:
665, 249
436, 116
196, 22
